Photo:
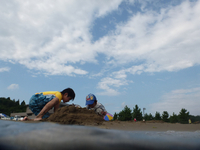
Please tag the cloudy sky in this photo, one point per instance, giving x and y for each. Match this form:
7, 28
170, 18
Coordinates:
126, 52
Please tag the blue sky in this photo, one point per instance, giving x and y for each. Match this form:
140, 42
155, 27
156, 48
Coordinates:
126, 52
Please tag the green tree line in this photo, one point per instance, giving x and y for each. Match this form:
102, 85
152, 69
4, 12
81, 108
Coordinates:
127, 114
8, 106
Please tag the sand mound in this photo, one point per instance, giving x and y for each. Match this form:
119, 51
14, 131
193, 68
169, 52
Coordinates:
75, 115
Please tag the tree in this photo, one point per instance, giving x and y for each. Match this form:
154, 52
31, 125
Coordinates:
23, 103
194, 119
125, 114
173, 118
137, 113
151, 117
17, 102
157, 116
165, 116
183, 116
8, 106
148, 117
115, 117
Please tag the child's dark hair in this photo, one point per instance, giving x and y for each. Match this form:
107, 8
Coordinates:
70, 93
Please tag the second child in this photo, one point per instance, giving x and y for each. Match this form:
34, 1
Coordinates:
92, 104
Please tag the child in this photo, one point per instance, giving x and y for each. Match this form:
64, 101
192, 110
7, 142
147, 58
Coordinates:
92, 104
41, 103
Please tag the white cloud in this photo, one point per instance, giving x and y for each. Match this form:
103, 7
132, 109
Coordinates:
178, 99
166, 41
52, 36
108, 84
120, 74
13, 86
44, 35
51, 67
157, 41
4, 69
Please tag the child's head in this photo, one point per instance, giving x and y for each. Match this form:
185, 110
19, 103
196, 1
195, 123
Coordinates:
70, 93
91, 100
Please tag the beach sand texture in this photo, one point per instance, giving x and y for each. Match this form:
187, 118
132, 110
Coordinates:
75, 116
141, 126
81, 116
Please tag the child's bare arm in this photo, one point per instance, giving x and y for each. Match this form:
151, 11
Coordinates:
46, 108
56, 107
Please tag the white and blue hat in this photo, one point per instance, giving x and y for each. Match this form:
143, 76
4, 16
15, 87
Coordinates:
90, 98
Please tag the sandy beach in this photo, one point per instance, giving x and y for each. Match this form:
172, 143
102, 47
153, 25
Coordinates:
141, 126
83, 117
69, 125
146, 126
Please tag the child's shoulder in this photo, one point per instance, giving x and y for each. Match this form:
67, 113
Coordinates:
99, 104
50, 92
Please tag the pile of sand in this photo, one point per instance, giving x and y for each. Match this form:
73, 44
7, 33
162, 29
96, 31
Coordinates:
75, 115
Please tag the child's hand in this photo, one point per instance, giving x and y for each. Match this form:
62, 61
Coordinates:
103, 113
37, 119
25, 118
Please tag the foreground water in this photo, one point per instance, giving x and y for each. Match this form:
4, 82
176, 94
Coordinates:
51, 136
